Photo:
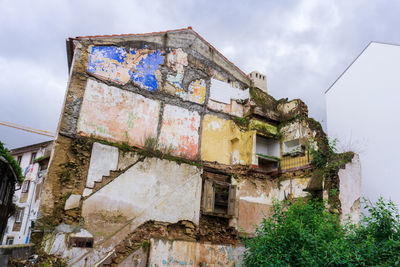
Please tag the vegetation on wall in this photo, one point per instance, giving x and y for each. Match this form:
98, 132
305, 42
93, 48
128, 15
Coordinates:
328, 163
13, 163
305, 234
262, 99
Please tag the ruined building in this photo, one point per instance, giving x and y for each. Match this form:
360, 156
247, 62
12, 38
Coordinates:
167, 153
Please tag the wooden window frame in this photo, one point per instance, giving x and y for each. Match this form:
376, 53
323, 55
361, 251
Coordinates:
208, 200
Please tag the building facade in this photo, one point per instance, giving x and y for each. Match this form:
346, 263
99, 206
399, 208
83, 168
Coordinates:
8, 180
33, 160
166, 152
360, 107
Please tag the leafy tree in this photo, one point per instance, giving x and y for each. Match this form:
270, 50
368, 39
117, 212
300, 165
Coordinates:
305, 234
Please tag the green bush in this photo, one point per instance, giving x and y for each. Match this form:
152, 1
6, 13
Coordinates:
14, 165
305, 234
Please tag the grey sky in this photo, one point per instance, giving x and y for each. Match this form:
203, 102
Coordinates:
302, 46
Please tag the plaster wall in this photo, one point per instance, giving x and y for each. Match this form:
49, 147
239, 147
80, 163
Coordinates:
362, 107
179, 132
117, 115
223, 92
148, 190
218, 141
184, 253
255, 198
119, 65
103, 159
350, 190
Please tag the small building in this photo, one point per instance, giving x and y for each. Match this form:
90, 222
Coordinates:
33, 160
166, 153
361, 113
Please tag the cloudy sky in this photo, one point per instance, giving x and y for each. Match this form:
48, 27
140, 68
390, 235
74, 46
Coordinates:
302, 46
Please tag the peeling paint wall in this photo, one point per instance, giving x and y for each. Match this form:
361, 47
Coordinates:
118, 65
183, 253
149, 190
117, 115
222, 141
350, 190
179, 132
255, 197
136, 108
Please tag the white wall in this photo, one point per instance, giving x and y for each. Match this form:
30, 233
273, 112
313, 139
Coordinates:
363, 113
30, 205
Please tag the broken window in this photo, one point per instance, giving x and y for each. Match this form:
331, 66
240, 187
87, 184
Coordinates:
25, 186
218, 198
81, 242
268, 153
293, 148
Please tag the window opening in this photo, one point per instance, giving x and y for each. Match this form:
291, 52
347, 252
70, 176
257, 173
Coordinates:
10, 240
33, 156
25, 186
81, 242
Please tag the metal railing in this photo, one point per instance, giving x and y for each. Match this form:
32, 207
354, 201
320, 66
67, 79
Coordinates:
296, 161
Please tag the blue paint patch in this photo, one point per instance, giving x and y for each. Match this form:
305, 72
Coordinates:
99, 53
144, 75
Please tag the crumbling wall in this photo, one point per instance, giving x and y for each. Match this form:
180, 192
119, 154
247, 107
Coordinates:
183, 253
143, 116
350, 190
223, 142
255, 197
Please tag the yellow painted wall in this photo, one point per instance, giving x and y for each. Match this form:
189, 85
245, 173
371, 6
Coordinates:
221, 137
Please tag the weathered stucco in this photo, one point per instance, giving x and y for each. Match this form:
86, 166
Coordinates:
183, 253
149, 190
117, 115
103, 159
350, 190
223, 142
156, 100
255, 197
179, 132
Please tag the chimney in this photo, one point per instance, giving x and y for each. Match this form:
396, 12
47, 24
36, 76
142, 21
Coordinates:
259, 80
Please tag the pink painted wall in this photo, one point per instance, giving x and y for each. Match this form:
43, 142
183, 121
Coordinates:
117, 115
179, 132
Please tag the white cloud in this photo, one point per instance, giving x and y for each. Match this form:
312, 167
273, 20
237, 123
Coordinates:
302, 46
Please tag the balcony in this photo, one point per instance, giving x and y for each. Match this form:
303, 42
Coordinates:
296, 161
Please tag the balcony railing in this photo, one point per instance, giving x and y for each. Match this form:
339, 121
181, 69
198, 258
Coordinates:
298, 161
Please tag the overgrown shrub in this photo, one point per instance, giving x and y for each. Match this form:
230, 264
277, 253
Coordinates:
305, 234
17, 169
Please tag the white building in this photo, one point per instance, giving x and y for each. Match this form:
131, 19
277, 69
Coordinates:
362, 112
33, 160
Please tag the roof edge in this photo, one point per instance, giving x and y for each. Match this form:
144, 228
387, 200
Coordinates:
69, 44
348, 67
